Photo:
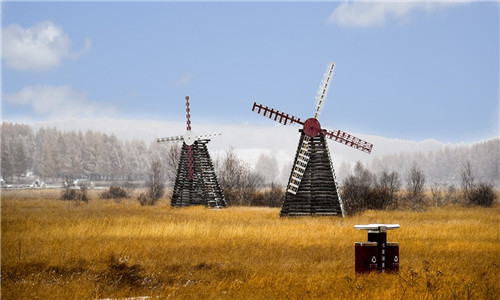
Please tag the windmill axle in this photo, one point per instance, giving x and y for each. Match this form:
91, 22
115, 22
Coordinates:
312, 127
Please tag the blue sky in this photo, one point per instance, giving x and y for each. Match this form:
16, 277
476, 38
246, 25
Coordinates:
410, 70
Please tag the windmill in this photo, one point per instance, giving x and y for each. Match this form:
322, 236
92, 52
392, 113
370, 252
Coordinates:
195, 182
312, 188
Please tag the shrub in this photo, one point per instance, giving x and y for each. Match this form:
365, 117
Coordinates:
415, 187
75, 193
238, 182
274, 195
239, 196
482, 195
114, 192
452, 195
271, 197
145, 199
364, 190
378, 198
437, 195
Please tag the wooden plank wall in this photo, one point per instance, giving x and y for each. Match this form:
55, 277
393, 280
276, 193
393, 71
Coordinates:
317, 193
204, 189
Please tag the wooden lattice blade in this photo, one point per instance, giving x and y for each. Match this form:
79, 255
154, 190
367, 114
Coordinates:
180, 138
323, 88
170, 139
349, 140
276, 115
188, 115
204, 136
299, 166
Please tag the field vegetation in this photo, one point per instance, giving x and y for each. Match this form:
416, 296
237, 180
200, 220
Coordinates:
55, 249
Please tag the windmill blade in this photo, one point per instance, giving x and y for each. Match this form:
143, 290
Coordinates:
349, 140
188, 115
323, 88
170, 139
299, 167
276, 115
203, 136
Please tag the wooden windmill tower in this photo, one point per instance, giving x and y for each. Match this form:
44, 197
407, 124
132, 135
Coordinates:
196, 182
312, 188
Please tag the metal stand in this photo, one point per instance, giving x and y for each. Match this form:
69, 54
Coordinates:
376, 254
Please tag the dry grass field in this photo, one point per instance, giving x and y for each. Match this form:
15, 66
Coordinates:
54, 249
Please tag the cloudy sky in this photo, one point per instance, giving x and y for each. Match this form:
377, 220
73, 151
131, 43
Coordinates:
410, 71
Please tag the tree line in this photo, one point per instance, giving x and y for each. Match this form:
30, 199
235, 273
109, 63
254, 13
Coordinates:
363, 189
445, 165
56, 155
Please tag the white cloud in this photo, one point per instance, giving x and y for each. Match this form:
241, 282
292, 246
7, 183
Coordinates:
37, 48
57, 101
365, 14
86, 48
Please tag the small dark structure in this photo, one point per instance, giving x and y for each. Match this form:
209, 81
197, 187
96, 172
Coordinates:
202, 187
196, 182
312, 188
318, 191
376, 254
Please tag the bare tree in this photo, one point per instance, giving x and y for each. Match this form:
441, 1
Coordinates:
451, 195
467, 181
49, 165
7, 165
389, 184
236, 179
155, 183
20, 158
230, 175
172, 158
415, 186
267, 167
356, 190
481, 194
437, 194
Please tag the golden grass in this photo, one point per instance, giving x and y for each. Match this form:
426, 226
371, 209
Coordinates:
53, 249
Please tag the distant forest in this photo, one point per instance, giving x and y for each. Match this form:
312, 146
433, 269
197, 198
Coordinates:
446, 165
56, 155
443, 167
52, 155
